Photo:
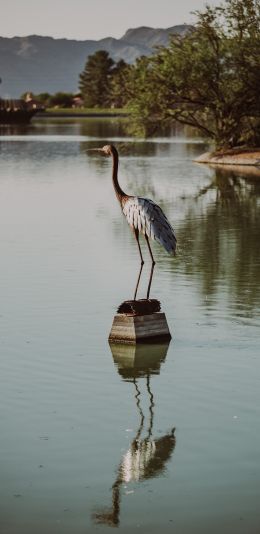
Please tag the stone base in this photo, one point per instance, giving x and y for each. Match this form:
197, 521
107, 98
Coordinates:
139, 328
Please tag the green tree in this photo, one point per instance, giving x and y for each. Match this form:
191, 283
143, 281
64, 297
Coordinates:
209, 79
119, 93
95, 80
63, 100
41, 97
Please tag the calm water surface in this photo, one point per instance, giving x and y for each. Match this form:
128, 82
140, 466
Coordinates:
87, 440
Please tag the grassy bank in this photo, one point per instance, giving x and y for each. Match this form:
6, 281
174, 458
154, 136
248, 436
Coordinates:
84, 112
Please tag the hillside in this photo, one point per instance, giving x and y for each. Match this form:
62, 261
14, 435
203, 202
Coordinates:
40, 64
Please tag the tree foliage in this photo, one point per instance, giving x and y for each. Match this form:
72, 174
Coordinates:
119, 94
209, 79
60, 99
95, 80
103, 82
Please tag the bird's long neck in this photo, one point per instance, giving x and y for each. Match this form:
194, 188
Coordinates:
119, 192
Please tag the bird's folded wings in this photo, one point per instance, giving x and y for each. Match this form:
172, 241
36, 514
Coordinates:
148, 218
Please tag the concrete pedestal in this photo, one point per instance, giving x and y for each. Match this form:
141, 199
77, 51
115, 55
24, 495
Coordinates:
134, 329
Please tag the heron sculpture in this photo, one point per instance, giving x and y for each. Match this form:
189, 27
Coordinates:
143, 215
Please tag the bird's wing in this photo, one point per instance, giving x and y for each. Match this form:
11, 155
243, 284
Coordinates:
144, 215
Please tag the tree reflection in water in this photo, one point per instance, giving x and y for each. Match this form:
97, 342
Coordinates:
147, 456
219, 236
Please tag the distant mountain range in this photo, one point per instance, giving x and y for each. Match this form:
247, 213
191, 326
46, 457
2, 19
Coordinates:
43, 64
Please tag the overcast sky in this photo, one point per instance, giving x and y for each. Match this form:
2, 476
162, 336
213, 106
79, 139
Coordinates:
92, 19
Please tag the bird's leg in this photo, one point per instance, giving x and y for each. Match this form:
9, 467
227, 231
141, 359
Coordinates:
138, 280
152, 268
150, 250
136, 233
150, 281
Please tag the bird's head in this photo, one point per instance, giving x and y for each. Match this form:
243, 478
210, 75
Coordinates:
107, 150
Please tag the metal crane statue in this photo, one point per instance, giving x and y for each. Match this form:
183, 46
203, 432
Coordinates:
143, 216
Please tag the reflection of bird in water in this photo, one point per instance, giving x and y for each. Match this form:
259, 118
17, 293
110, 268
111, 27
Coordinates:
143, 216
147, 456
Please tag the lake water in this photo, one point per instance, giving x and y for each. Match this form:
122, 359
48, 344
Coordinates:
87, 440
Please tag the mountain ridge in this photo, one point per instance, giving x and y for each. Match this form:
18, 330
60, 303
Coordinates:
46, 64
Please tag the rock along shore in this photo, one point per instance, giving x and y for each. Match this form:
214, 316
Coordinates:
231, 158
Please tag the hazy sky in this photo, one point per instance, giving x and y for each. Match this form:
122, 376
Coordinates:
91, 19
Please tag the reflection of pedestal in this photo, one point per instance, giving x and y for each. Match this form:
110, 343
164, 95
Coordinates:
140, 360
139, 328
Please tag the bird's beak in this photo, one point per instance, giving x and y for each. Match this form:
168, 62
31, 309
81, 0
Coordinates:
94, 150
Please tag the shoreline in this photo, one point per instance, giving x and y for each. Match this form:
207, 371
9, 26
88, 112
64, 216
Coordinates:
80, 114
235, 158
